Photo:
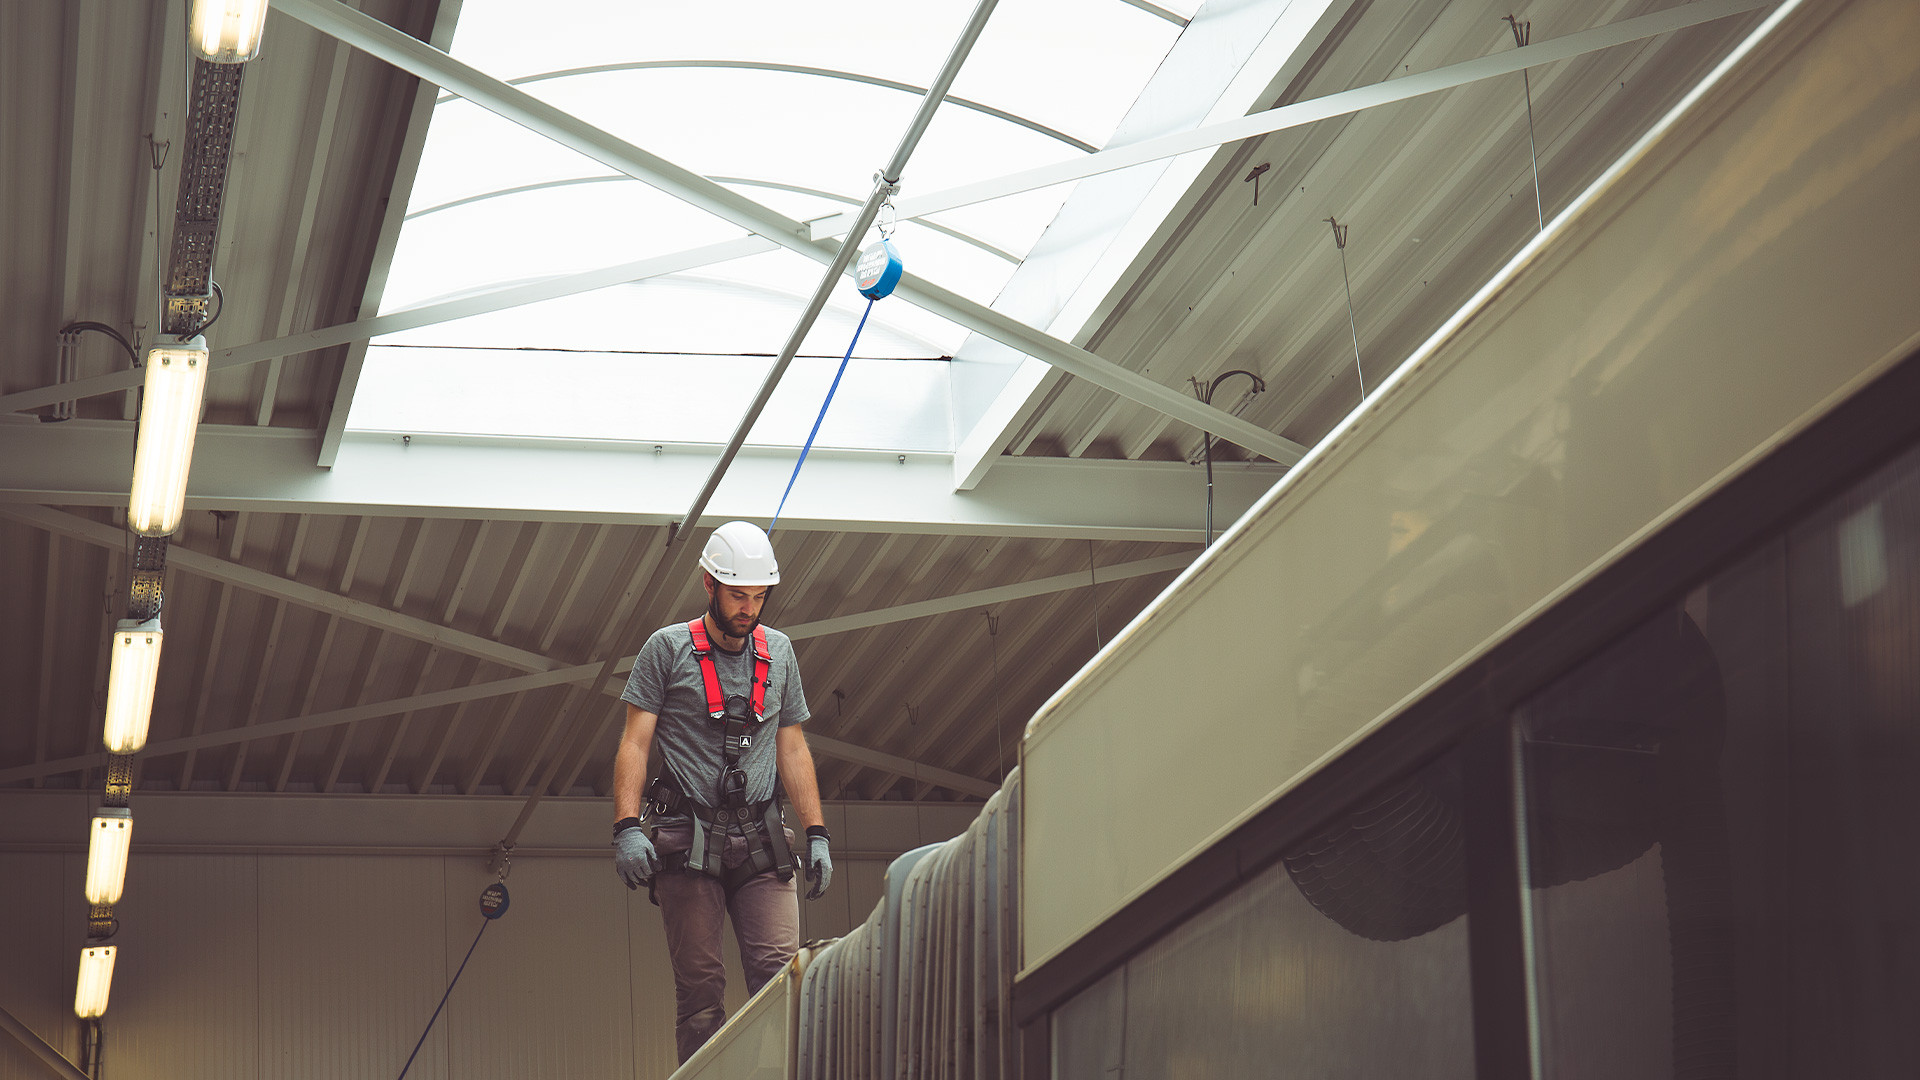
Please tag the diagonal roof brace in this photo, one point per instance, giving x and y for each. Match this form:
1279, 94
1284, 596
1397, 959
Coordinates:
502, 299
410, 54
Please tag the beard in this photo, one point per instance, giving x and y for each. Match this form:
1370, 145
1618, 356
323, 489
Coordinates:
729, 628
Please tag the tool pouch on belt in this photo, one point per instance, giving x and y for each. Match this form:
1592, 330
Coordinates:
759, 823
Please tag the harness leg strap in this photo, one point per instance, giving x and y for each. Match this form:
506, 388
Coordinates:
697, 853
776, 838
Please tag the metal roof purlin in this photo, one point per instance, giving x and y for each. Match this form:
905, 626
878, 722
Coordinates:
377, 38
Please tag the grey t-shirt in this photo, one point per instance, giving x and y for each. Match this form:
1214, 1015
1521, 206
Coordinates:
666, 681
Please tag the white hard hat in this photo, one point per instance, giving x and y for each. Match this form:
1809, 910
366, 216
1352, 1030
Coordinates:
738, 553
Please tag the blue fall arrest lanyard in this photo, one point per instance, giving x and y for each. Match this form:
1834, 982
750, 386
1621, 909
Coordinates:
877, 272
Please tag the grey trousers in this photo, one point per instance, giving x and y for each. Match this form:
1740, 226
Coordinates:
695, 906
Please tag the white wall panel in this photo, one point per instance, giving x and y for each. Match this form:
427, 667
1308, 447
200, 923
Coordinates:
42, 927
352, 957
185, 986
1755, 263
649, 984
541, 997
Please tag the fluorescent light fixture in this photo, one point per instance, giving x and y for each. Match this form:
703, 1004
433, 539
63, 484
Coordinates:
111, 834
227, 31
169, 414
96, 978
131, 674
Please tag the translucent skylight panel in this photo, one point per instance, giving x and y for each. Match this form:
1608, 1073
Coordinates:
801, 129
1074, 65
540, 233
906, 42
880, 404
494, 205
743, 306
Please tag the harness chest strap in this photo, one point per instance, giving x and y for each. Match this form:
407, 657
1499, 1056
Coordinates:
762, 665
771, 852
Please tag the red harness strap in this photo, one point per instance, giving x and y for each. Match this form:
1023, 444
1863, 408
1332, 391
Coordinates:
762, 664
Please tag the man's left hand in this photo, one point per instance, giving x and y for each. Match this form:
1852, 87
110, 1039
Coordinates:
819, 866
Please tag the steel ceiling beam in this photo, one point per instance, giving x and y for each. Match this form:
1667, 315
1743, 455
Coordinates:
1156, 10
1302, 113
211, 567
83, 463
317, 144
59, 523
380, 40
742, 181
1000, 594
410, 319
57, 1065
334, 718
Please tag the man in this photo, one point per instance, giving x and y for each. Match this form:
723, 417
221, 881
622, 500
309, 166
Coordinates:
720, 699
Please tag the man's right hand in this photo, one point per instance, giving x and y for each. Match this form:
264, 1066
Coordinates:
633, 856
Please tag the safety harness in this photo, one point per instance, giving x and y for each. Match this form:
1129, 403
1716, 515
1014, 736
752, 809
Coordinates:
758, 821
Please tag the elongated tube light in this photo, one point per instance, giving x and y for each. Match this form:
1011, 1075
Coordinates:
169, 415
111, 835
131, 675
227, 31
96, 979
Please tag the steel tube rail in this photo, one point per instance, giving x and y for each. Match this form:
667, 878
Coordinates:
884, 186
937, 90
380, 40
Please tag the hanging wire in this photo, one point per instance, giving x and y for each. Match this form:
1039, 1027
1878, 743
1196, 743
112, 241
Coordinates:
102, 328
1205, 394
1093, 584
999, 729
158, 152
1340, 241
1522, 34
484, 923
217, 312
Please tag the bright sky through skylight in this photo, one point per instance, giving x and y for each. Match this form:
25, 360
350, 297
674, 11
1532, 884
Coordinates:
494, 205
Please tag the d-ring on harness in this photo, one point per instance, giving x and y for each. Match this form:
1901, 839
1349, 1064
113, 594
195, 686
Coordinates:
759, 821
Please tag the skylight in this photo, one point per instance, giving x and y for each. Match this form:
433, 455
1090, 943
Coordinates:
792, 105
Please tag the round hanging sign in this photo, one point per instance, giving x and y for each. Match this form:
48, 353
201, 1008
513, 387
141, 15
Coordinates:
493, 900
878, 271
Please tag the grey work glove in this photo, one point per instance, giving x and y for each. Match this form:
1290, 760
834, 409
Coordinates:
633, 856
819, 866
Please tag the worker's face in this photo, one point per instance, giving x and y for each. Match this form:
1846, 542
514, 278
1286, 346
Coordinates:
735, 609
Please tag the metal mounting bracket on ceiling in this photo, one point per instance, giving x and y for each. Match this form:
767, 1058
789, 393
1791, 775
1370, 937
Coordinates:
188, 285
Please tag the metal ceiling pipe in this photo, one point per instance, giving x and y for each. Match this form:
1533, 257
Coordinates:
885, 184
